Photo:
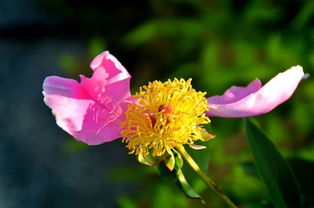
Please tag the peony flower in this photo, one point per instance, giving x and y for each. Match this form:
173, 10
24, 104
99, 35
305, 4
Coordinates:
163, 116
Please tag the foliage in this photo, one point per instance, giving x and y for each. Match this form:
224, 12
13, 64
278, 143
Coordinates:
273, 169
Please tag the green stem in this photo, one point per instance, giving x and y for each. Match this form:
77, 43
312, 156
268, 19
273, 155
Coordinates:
204, 177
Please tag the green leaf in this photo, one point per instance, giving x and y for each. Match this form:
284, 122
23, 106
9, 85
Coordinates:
178, 177
273, 169
304, 171
186, 187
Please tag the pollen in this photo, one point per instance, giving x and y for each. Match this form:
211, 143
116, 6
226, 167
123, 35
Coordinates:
166, 115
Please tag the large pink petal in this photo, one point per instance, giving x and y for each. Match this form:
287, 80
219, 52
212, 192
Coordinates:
92, 110
255, 99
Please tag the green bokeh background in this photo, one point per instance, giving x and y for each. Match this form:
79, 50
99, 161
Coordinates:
218, 44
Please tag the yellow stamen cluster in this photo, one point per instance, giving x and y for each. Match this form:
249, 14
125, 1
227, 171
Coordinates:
166, 115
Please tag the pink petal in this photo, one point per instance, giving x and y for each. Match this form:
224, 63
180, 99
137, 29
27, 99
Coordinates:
69, 112
113, 67
100, 125
63, 86
255, 99
236, 93
117, 77
92, 110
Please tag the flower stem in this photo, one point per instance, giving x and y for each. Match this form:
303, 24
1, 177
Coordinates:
204, 177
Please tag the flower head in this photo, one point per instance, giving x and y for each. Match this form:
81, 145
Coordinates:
162, 116
166, 115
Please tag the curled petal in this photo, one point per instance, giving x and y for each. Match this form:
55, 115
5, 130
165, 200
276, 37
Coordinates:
92, 110
113, 67
256, 99
116, 76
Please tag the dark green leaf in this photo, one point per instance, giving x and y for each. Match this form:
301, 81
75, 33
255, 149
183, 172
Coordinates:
273, 169
304, 171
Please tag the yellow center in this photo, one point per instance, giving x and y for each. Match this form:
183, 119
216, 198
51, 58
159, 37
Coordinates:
166, 115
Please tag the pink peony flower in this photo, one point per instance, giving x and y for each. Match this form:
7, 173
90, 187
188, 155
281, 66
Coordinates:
93, 109
255, 99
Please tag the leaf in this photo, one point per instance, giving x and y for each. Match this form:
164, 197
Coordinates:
186, 187
304, 171
273, 169
178, 177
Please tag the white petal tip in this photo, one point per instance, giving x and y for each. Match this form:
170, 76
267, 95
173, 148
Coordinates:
96, 62
197, 147
305, 76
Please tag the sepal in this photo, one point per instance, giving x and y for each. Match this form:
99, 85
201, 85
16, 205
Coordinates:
205, 136
149, 159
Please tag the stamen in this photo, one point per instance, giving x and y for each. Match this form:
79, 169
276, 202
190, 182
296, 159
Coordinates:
150, 118
167, 109
166, 116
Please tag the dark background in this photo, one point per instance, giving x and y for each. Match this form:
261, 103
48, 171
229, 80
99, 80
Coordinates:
217, 43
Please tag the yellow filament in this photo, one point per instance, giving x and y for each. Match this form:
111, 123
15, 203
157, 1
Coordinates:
166, 115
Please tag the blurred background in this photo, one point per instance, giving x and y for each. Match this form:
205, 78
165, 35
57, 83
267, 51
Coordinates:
217, 43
